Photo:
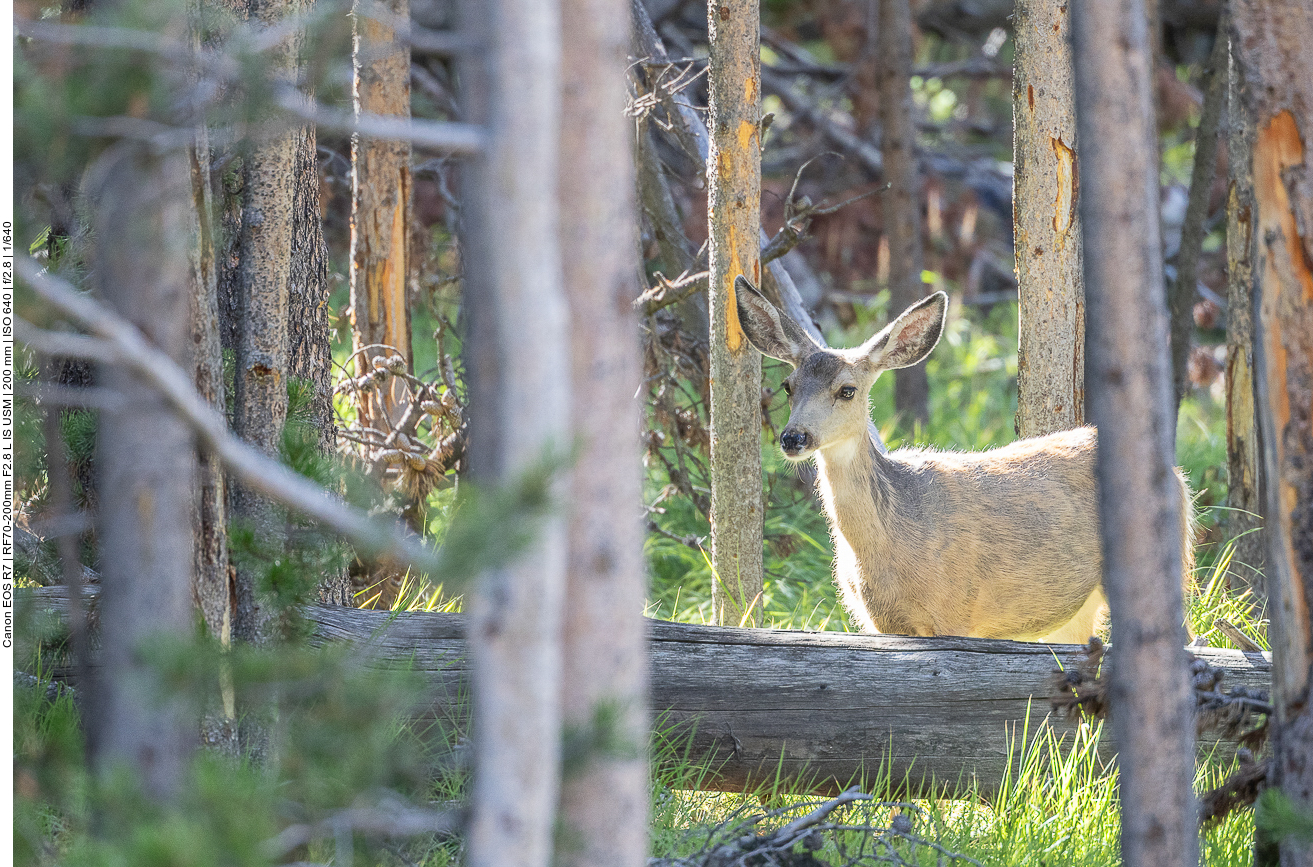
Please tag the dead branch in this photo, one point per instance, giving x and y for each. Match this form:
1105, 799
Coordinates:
259, 472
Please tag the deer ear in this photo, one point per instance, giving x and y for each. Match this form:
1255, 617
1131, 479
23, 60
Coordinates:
910, 337
771, 331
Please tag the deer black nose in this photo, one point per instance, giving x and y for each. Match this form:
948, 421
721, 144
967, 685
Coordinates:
793, 441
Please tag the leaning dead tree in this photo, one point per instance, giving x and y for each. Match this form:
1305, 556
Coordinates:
734, 214
1140, 508
1274, 46
517, 354
1046, 223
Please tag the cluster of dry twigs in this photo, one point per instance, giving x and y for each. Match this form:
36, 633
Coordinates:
1238, 714
850, 830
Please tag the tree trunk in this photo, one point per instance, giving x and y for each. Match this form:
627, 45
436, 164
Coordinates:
518, 358
1046, 224
1274, 42
147, 463
1244, 491
380, 201
1131, 402
902, 202
734, 215
1180, 301
210, 585
260, 382
309, 352
604, 672
812, 710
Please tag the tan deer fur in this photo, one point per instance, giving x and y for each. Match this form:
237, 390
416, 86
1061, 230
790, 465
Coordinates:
994, 544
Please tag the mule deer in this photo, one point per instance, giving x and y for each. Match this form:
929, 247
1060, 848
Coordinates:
994, 544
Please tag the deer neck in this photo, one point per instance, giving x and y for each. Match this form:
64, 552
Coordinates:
854, 479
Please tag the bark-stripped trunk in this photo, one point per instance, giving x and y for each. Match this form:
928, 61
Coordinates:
518, 358
1046, 223
604, 673
1131, 402
380, 199
902, 202
1274, 41
260, 386
1244, 491
210, 585
734, 214
147, 463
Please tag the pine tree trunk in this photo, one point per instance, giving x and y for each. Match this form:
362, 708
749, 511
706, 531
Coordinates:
902, 202
517, 355
210, 585
1244, 492
604, 672
380, 200
1140, 506
734, 214
147, 463
1046, 224
260, 383
1274, 42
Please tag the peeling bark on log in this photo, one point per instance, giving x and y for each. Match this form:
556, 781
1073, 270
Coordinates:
816, 708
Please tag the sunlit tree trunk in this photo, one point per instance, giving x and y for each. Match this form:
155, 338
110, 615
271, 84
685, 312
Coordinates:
1274, 42
1046, 223
734, 212
1129, 382
604, 677
380, 198
517, 354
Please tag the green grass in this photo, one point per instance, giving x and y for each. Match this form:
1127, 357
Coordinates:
1061, 807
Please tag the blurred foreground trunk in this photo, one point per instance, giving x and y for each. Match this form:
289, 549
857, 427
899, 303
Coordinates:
1140, 508
147, 463
604, 676
517, 355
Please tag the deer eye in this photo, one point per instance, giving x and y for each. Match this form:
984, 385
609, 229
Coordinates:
848, 392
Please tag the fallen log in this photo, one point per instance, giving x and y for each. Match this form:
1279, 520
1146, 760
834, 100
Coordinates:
813, 710
809, 710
